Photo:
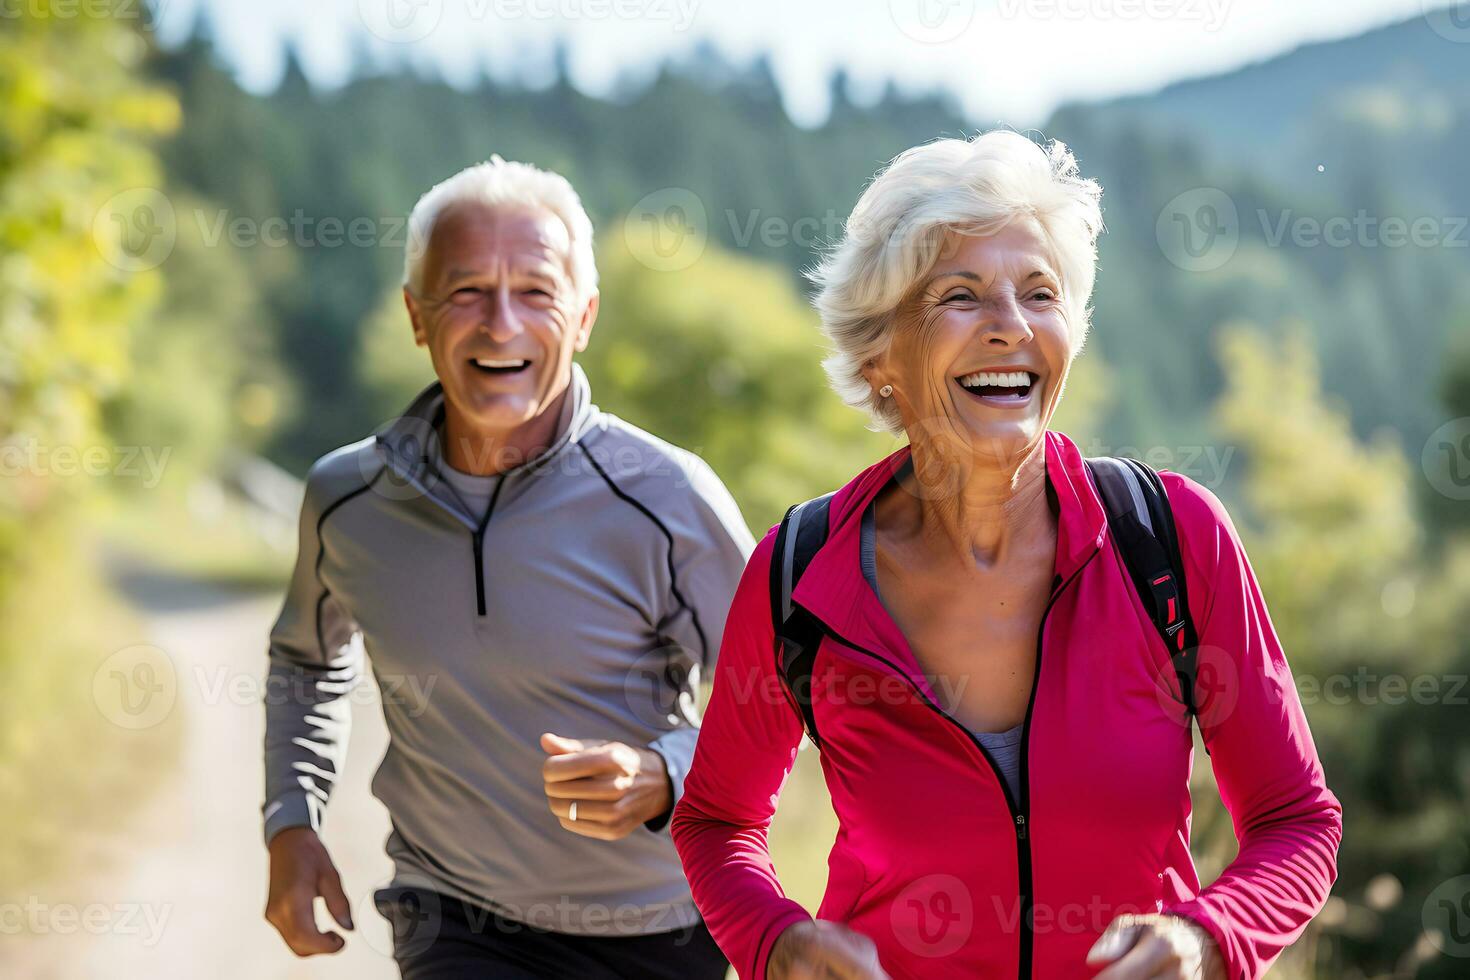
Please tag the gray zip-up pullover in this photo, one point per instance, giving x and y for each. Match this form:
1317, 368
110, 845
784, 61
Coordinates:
585, 601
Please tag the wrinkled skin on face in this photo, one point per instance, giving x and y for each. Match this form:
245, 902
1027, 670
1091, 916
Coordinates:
501, 317
990, 302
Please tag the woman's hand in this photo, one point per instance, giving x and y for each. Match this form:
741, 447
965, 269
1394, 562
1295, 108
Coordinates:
1156, 947
820, 950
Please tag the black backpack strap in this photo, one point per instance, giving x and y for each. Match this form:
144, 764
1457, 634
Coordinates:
1142, 525
803, 531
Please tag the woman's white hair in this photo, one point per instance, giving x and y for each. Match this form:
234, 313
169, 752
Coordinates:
498, 182
896, 230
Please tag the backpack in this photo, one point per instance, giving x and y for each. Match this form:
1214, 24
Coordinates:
1142, 526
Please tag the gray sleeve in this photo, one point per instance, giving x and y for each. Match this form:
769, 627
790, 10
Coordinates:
315, 661
711, 544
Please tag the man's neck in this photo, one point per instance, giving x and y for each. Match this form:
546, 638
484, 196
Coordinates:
487, 453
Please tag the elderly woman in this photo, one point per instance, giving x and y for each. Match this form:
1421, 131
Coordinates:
999, 718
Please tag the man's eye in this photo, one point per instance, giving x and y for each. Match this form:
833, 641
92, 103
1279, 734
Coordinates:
537, 293
465, 294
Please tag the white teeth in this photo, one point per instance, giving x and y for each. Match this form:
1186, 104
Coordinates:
488, 362
998, 379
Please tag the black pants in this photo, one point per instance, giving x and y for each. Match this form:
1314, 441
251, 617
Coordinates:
440, 938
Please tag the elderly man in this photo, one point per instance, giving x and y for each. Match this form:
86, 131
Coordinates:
549, 580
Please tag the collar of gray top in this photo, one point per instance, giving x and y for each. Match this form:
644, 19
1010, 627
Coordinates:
410, 444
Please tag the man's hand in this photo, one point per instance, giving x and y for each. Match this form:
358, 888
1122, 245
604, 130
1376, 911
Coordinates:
603, 789
1145, 947
820, 950
301, 870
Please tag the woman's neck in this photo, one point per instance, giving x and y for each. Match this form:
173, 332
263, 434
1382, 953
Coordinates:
989, 509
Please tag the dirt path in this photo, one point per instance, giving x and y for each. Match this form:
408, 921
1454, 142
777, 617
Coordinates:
184, 885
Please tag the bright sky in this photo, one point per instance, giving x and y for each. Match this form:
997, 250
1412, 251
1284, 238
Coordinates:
1009, 61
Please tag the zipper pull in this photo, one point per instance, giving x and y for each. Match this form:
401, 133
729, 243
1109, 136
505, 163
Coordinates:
1021, 826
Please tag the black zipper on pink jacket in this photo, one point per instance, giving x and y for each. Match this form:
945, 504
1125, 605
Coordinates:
1020, 810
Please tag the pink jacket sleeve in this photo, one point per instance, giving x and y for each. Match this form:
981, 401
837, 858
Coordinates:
1287, 822
747, 746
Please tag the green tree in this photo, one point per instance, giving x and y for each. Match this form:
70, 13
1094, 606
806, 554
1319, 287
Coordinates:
77, 218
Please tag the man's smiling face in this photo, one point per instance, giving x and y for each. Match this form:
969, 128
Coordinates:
499, 313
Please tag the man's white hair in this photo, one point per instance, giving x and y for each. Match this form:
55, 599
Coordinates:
895, 232
502, 183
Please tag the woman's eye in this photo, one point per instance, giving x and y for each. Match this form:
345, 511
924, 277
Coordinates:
957, 297
1045, 295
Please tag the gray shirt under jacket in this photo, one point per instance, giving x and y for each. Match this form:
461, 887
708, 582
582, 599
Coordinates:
585, 597
1004, 747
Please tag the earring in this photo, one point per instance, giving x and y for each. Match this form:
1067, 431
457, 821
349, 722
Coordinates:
885, 391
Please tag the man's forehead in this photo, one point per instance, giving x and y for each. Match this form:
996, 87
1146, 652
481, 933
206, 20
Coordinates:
471, 227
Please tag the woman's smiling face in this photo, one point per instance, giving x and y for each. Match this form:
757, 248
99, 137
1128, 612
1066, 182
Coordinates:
981, 345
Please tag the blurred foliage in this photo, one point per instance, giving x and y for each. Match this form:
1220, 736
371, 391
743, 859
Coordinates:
757, 184
1373, 628
69, 143
75, 290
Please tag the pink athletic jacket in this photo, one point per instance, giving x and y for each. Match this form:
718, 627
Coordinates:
933, 861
